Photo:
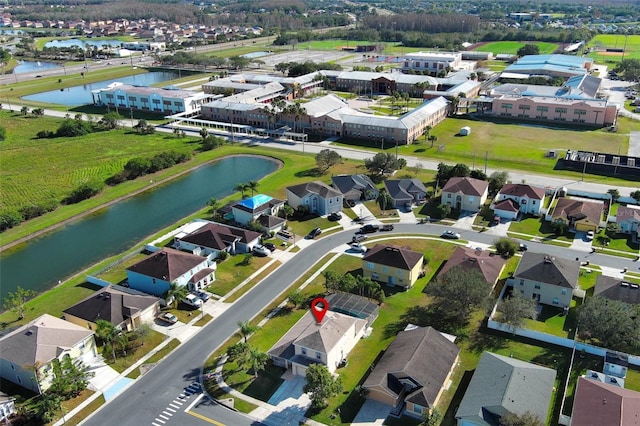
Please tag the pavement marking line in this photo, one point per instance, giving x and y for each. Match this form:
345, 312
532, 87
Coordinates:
170, 409
178, 402
206, 419
175, 406
158, 420
166, 413
155, 424
195, 401
164, 417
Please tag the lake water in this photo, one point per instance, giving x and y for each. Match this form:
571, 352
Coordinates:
55, 256
30, 66
74, 42
81, 95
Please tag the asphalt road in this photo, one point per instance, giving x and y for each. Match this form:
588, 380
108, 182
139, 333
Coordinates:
149, 396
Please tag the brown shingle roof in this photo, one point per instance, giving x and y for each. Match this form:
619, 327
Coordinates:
626, 213
490, 266
394, 256
41, 340
572, 209
113, 304
522, 190
507, 205
421, 357
217, 236
598, 403
167, 264
466, 185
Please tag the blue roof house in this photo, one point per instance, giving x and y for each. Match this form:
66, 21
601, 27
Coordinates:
260, 208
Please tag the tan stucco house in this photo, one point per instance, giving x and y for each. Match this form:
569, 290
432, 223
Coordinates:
465, 193
392, 265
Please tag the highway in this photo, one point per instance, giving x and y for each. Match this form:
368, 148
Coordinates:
151, 394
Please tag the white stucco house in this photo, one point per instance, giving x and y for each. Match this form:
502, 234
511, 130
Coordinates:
260, 208
318, 196
465, 193
308, 342
515, 198
211, 238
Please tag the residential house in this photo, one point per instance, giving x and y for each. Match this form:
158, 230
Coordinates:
7, 408
155, 274
548, 280
392, 265
597, 403
27, 353
580, 215
260, 208
414, 371
319, 197
353, 305
327, 343
488, 264
211, 238
405, 192
355, 187
515, 198
628, 218
501, 385
465, 193
123, 307
616, 288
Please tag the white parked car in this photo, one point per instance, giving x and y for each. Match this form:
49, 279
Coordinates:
590, 235
261, 250
358, 247
192, 300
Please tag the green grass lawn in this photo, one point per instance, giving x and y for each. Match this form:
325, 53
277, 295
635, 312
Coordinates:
135, 350
630, 43
553, 321
512, 47
231, 272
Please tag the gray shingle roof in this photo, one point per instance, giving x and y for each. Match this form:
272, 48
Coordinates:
547, 269
167, 264
420, 359
347, 183
502, 385
403, 189
615, 288
315, 187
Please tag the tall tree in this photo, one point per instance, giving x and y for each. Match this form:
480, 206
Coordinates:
497, 180
384, 200
110, 336
321, 385
331, 280
214, 205
610, 323
257, 360
382, 164
253, 186
326, 159
241, 188
506, 246
175, 293
514, 310
143, 331
461, 291
16, 301
247, 329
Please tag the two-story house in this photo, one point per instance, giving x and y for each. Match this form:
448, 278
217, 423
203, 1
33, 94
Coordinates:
155, 274
319, 197
392, 265
465, 193
327, 343
485, 262
27, 353
515, 198
547, 279
260, 208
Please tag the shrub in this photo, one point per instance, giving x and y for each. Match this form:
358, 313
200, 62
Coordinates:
35, 210
73, 127
443, 210
3, 133
45, 134
9, 219
84, 191
222, 256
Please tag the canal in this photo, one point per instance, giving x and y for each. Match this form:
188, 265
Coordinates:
42, 262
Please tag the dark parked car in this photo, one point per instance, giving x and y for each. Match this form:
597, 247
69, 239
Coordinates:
335, 216
270, 246
202, 295
369, 229
314, 232
523, 247
450, 235
388, 227
358, 238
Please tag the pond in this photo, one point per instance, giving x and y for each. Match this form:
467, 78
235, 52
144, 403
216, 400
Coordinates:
81, 95
31, 66
254, 55
74, 42
57, 255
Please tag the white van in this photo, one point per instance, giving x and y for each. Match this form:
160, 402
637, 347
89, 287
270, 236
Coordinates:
192, 300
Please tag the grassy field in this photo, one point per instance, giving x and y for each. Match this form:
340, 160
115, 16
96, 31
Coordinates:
338, 44
511, 47
630, 43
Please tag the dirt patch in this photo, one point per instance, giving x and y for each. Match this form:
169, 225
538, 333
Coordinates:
605, 53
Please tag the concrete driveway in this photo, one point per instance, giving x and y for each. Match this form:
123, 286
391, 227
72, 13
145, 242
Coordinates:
466, 220
179, 330
372, 413
580, 242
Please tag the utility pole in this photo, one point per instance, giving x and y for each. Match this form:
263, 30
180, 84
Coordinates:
486, 155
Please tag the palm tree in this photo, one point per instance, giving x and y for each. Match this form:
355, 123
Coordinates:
176, 292
247, 329
144, 330
241, 187
257, 359
108, 333
252, 185
433, 139
287, 211
214, 204
204, 133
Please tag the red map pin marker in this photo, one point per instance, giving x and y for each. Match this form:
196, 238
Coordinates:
317, 311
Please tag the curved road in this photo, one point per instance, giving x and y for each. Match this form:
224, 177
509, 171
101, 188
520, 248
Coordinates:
149, 396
